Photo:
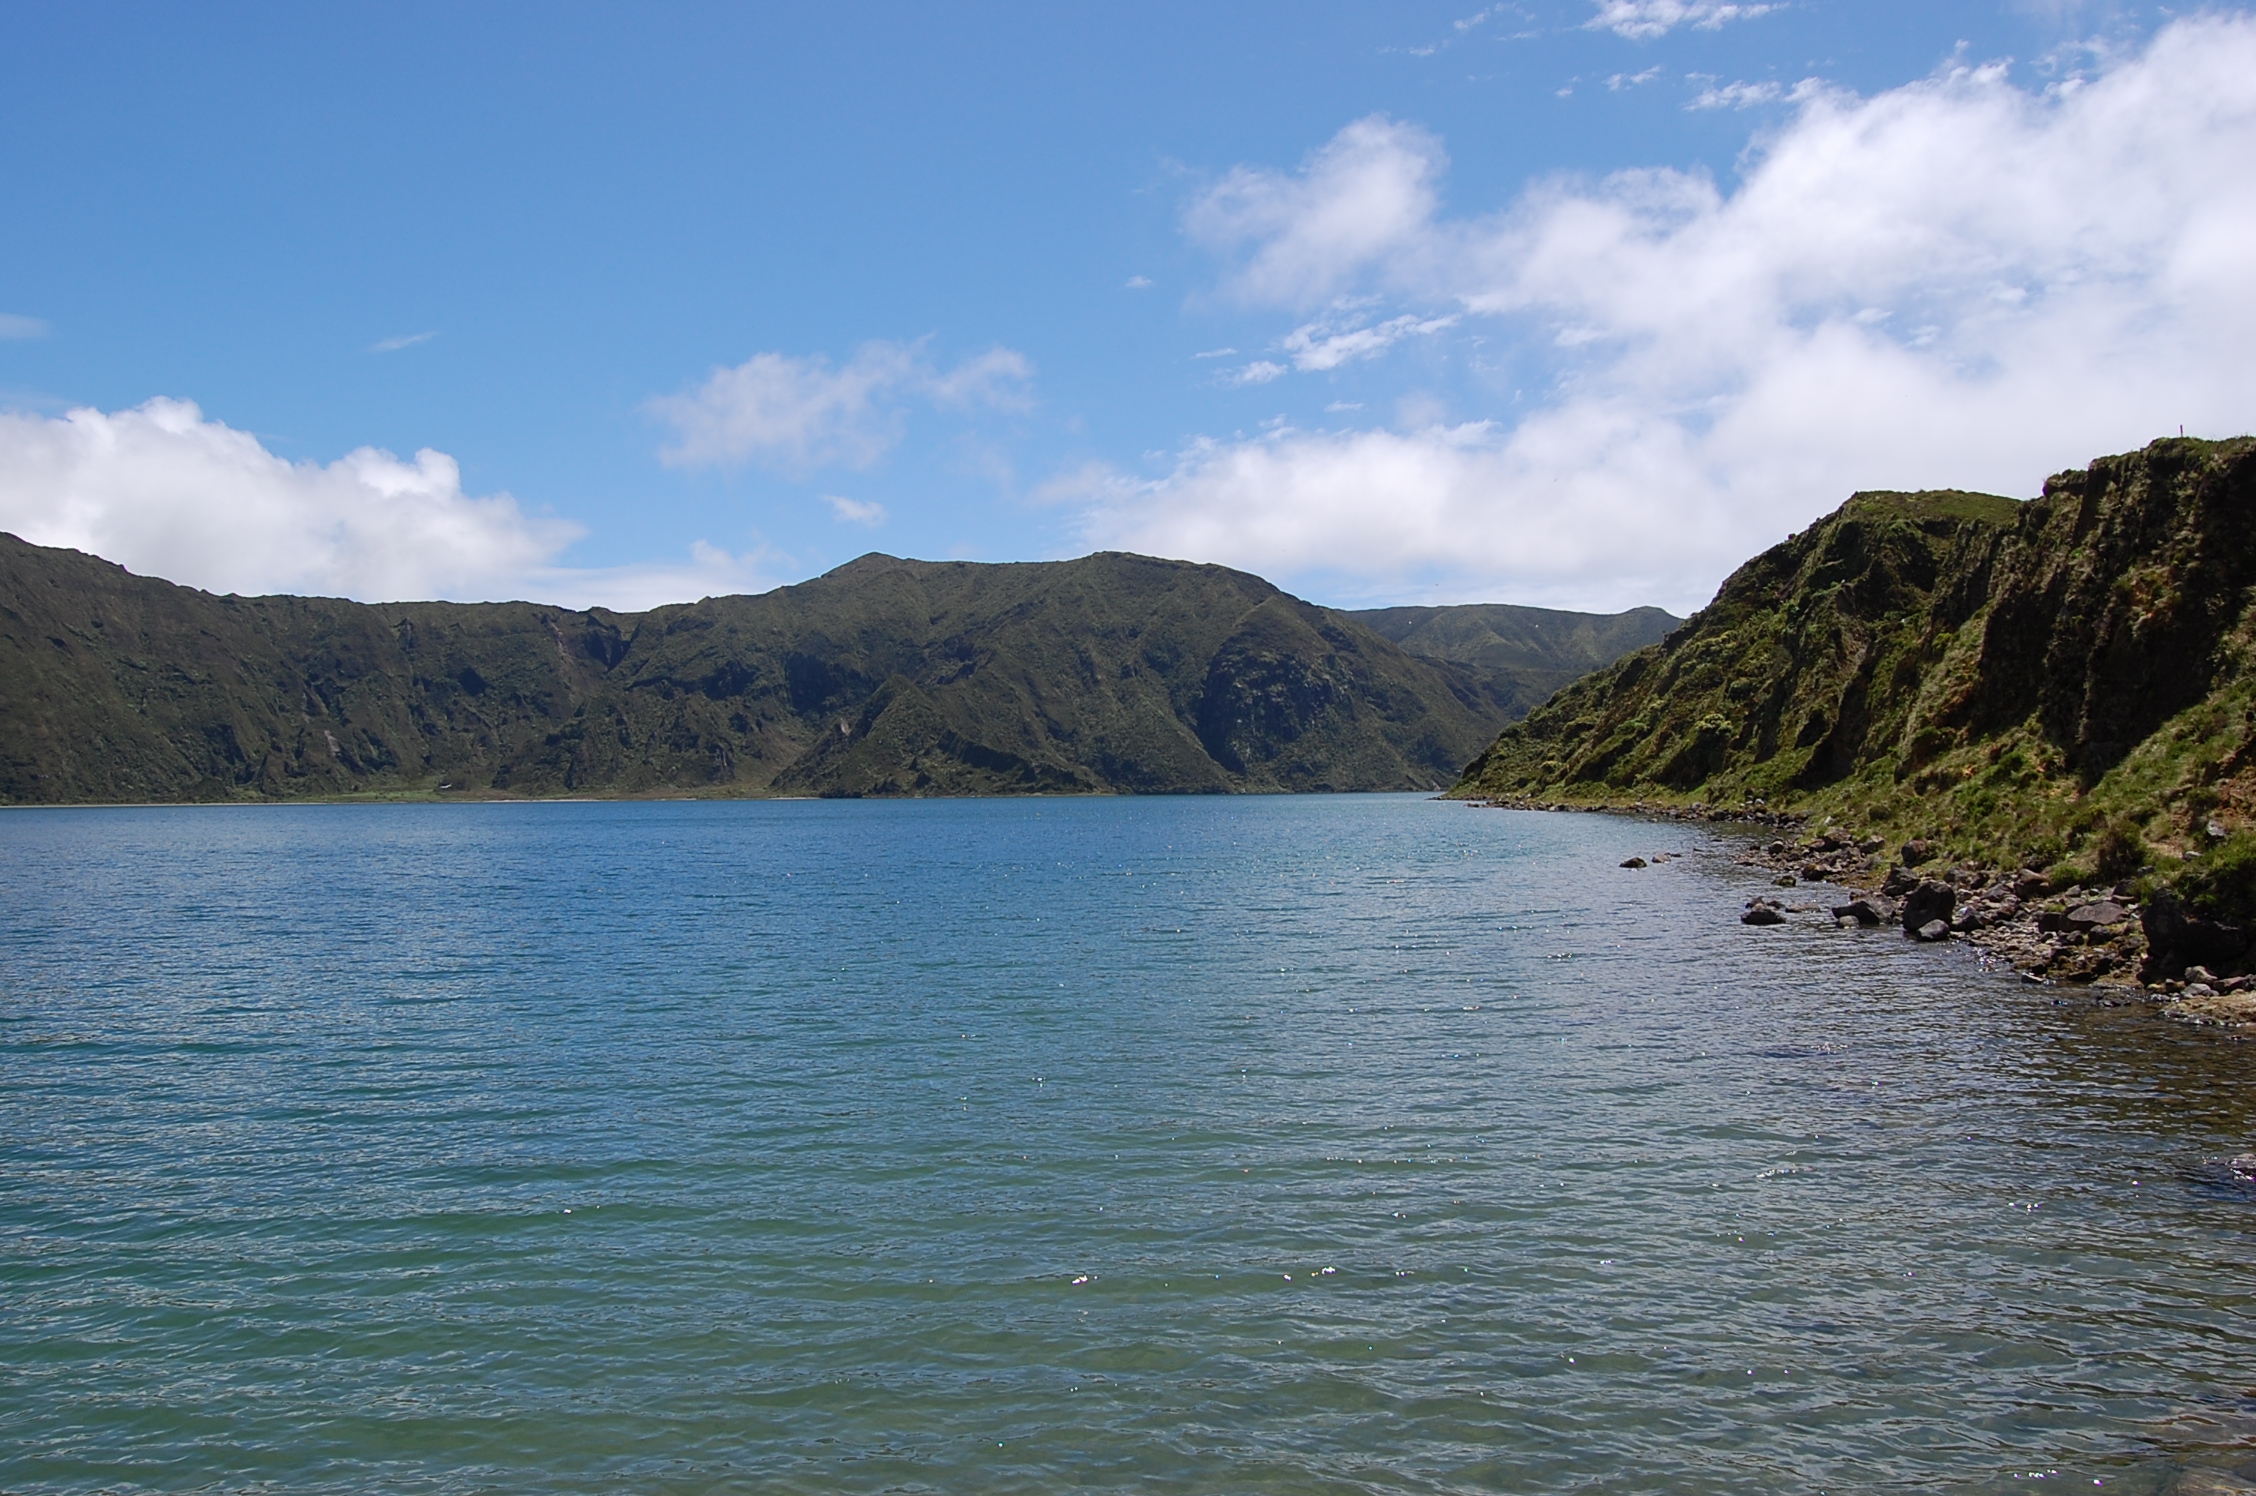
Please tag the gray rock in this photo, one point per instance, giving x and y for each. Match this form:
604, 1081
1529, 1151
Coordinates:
1931, 931
1762, 914
1862, 911
2104, 912
1633, 862
1917, 851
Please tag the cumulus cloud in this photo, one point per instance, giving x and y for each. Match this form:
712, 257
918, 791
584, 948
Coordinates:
1955, 283
800, 414
1642, 20
166, 492
14, 327
163, 491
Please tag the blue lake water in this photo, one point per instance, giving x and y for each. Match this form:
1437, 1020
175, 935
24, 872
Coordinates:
1307, 1144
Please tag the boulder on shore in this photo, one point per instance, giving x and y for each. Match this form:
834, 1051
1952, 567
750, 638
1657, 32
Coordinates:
2177, 938
1931, 902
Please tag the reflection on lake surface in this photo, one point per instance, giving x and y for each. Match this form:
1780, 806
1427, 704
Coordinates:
1293, 1144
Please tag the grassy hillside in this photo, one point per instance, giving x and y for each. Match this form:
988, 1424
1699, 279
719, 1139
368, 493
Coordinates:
2064, 682
1110, 673
1529, 652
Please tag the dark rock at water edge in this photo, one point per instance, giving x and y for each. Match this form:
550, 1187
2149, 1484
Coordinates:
2177, 939
1928, 901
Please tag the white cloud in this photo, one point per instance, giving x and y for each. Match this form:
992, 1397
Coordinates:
1748, 95
1139, 283
394, 345
1620, 81
1954, 283
1323, 344
801, 413
1260, 371
1366, 196
709, 572
165, 492
1642, 20
856, 511
996, 378
1216, 353
796, 412
15, 327
1375, 509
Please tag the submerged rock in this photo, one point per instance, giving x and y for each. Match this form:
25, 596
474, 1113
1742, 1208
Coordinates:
1633, 862
1762, 914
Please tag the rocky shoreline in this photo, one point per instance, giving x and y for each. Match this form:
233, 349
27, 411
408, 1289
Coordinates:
2104, 938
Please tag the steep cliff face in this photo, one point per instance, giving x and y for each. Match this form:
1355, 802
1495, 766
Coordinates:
2021, 681
1110, 673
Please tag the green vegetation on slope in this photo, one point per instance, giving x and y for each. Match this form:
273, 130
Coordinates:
1529, 652
2062, 681
1112, 673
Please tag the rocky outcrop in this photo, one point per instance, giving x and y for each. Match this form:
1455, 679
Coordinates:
2065, 679
2011, 697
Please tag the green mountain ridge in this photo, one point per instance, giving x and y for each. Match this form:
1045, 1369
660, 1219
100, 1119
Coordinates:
2061, 682
1538, 650
1109, 674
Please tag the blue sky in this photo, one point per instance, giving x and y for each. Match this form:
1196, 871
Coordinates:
1574, 303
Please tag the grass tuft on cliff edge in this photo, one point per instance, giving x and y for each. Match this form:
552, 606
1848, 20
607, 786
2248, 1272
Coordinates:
2063, 683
